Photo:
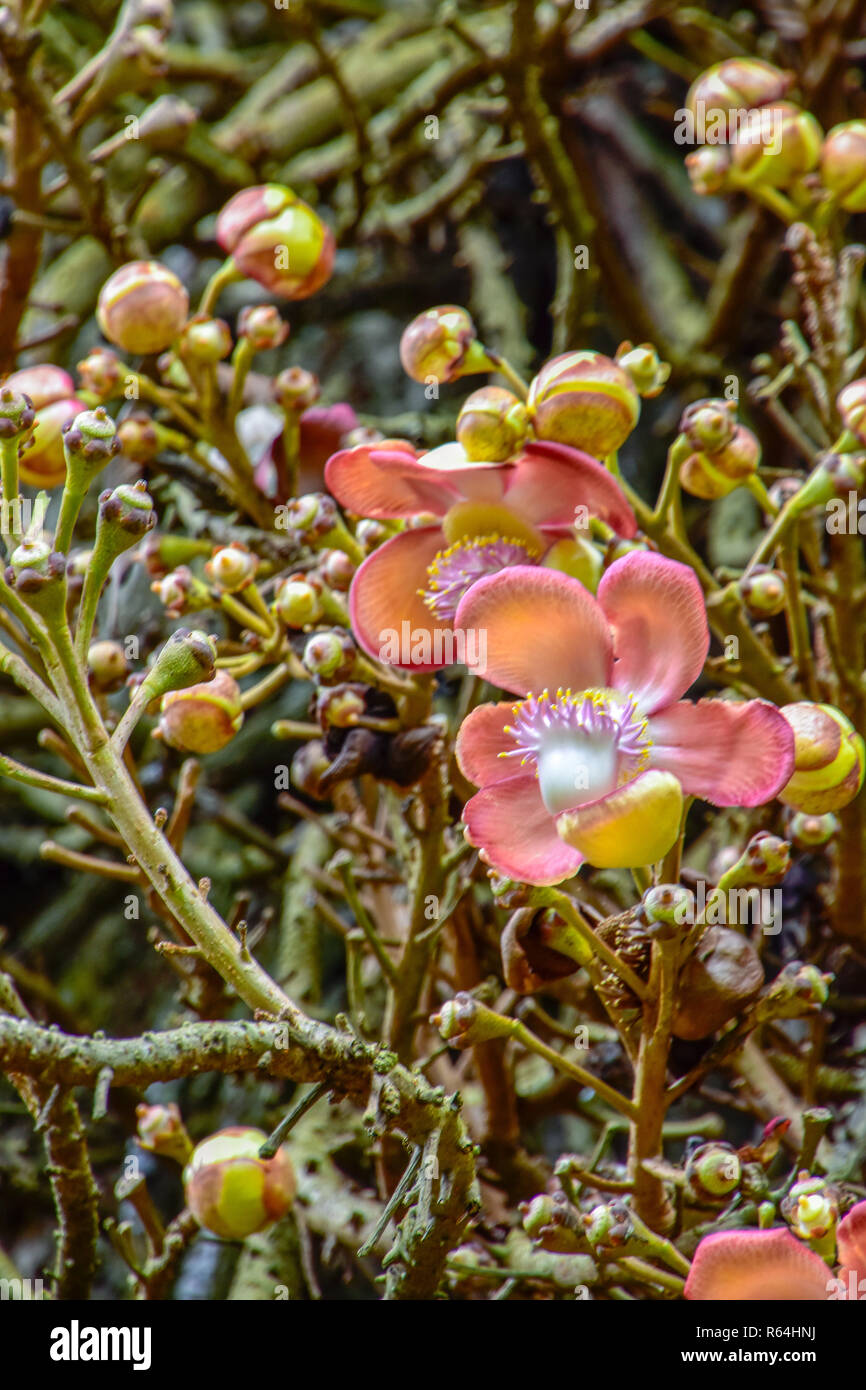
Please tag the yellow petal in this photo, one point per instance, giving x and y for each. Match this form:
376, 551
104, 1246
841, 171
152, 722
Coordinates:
637, 824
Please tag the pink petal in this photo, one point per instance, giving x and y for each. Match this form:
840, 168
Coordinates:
757, 1266
517, 835
543, 630
549, 481
851, 1240
384, 593
656, 609
480, 740
388, 480
730, 753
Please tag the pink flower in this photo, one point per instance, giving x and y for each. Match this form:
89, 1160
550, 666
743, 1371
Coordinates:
602, 764
484, 516
774, 1266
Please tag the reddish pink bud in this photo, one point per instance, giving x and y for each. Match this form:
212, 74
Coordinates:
44, 384
202, 718
850, 403
43, 462
142, 307
736, 83
275, 238
161, 1131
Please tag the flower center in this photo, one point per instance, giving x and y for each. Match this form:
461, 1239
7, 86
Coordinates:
455, 569
583, 746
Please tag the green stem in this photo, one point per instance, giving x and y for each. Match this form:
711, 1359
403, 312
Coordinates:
17, 772
227, 274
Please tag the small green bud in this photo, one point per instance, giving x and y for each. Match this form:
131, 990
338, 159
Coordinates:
713, 1173
464, 1021
17, 415
187, 658
37, 573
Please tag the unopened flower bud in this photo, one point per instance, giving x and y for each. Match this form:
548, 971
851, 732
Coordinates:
646, 369
713, 475
233, 1192
764, 592
330, 655
774, 146
162, 553
16, 414
202, 718
161, 1130
139, 437
797, 991
275, 238
232, 567
669, 905
337, 569
843, 164
314, 514
309, 766
262, 327
179, 590
129, 509
829, 759
107, 666
142, 307
809, 832
608, 1226
763, 863
101, 372
296, 389
708, 169
297, 602
89, 441
205, 340
537, 1214
464, 1021
585, 400
37, 572
736, 83
442, 343
369, 534
341, 706
187, 658
709, 424
42, 462
713, 1173
492, 424
44, 384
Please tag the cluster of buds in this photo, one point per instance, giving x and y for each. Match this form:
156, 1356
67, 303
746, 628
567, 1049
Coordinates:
713, 452
231, 1190
749, 136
